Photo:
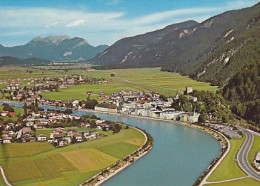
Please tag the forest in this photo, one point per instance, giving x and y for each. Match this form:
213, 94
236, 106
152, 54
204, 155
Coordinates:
243, 93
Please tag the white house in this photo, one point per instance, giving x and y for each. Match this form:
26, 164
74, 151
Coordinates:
257, 161
42, 137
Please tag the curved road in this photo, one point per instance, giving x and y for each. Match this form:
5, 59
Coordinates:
4, 177
242, 156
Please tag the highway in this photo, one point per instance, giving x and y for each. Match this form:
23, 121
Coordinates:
242, 156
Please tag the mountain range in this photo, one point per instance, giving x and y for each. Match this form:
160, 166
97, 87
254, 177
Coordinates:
213, 50
54, 48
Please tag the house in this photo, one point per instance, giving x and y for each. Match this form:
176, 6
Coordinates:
6, 139
193, 117
92, 135
85, 125
170, 114
25, 134
63, 143
188, 90
56, 135
26, 130
106, 107
183, 117
103, 126
75, 103
257, 161
29, 123
11, 132
11, 114
39, 125
68, 139
78, 137
42, 137
4, 113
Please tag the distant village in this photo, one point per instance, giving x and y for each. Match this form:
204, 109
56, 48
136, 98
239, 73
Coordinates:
26, 90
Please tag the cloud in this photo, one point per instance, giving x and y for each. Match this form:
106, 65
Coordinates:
98, 27
241, 4
113, 2
76, 23
157, 17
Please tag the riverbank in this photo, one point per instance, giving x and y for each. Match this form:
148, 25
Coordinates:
120, 165
202, 128
224, 142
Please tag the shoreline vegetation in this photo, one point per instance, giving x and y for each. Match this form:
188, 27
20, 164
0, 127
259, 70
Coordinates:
117, 167
215, 134
120, 165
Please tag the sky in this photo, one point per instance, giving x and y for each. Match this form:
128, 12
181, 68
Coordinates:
101, 21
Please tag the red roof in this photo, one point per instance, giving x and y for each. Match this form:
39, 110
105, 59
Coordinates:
12, 114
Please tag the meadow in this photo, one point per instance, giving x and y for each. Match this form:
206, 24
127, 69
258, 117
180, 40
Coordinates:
228, 168
41, 163
254, 149
141, 79
240, 182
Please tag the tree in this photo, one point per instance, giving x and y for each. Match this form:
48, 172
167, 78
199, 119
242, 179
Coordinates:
116, 128
93, 124
202, 118
68, 111
25, 110
7, 108
91, 103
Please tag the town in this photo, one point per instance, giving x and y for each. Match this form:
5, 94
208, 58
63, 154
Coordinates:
59, 128
27, 89
135, 103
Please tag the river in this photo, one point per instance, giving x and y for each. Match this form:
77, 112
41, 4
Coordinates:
179, 156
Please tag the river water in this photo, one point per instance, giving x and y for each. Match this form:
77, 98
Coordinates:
179, 156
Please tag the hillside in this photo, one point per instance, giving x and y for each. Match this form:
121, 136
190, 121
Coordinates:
138, 51
55, 48
243, 92
186, 46
230, 59
7, 61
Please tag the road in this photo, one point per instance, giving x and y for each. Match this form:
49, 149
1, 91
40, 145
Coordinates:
4, 177
242, 156
204, 181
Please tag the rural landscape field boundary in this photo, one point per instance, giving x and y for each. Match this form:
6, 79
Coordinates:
120, 165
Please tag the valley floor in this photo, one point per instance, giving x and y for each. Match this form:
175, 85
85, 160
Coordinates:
41, 164
228, 172
141, 79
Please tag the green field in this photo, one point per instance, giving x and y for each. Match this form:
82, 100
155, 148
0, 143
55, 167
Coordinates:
13, 72
21, 150
12, 119
254, 149
228, 168
41, 163
141, 79
2, 182
240, 182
